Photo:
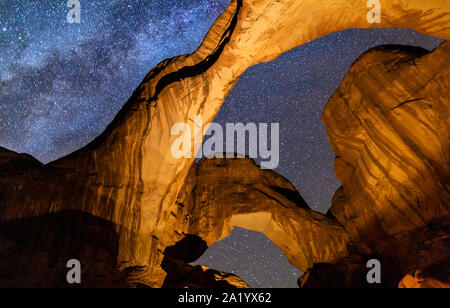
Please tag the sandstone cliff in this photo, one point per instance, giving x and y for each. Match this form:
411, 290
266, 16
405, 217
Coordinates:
388, 124
125, 194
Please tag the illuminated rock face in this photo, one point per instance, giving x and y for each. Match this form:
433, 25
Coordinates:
388, 124
418, 280
138, 200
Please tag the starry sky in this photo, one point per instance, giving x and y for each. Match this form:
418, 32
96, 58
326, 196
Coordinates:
61, 84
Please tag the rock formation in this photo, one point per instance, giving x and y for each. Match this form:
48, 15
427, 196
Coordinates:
123, 202
232, 193
388, 124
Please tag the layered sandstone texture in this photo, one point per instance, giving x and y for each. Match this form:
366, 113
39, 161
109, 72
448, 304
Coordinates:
126, 194
388, 124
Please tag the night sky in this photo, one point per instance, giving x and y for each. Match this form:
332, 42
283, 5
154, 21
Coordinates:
61, 84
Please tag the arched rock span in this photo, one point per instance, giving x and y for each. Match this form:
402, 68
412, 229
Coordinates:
128, 177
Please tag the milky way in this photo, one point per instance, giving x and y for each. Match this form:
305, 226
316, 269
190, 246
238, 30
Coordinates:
61, 84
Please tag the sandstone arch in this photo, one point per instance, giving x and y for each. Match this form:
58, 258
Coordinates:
247, 33
232, 193
127, 175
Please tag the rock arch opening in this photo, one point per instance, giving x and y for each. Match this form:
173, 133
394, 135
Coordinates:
253, 257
